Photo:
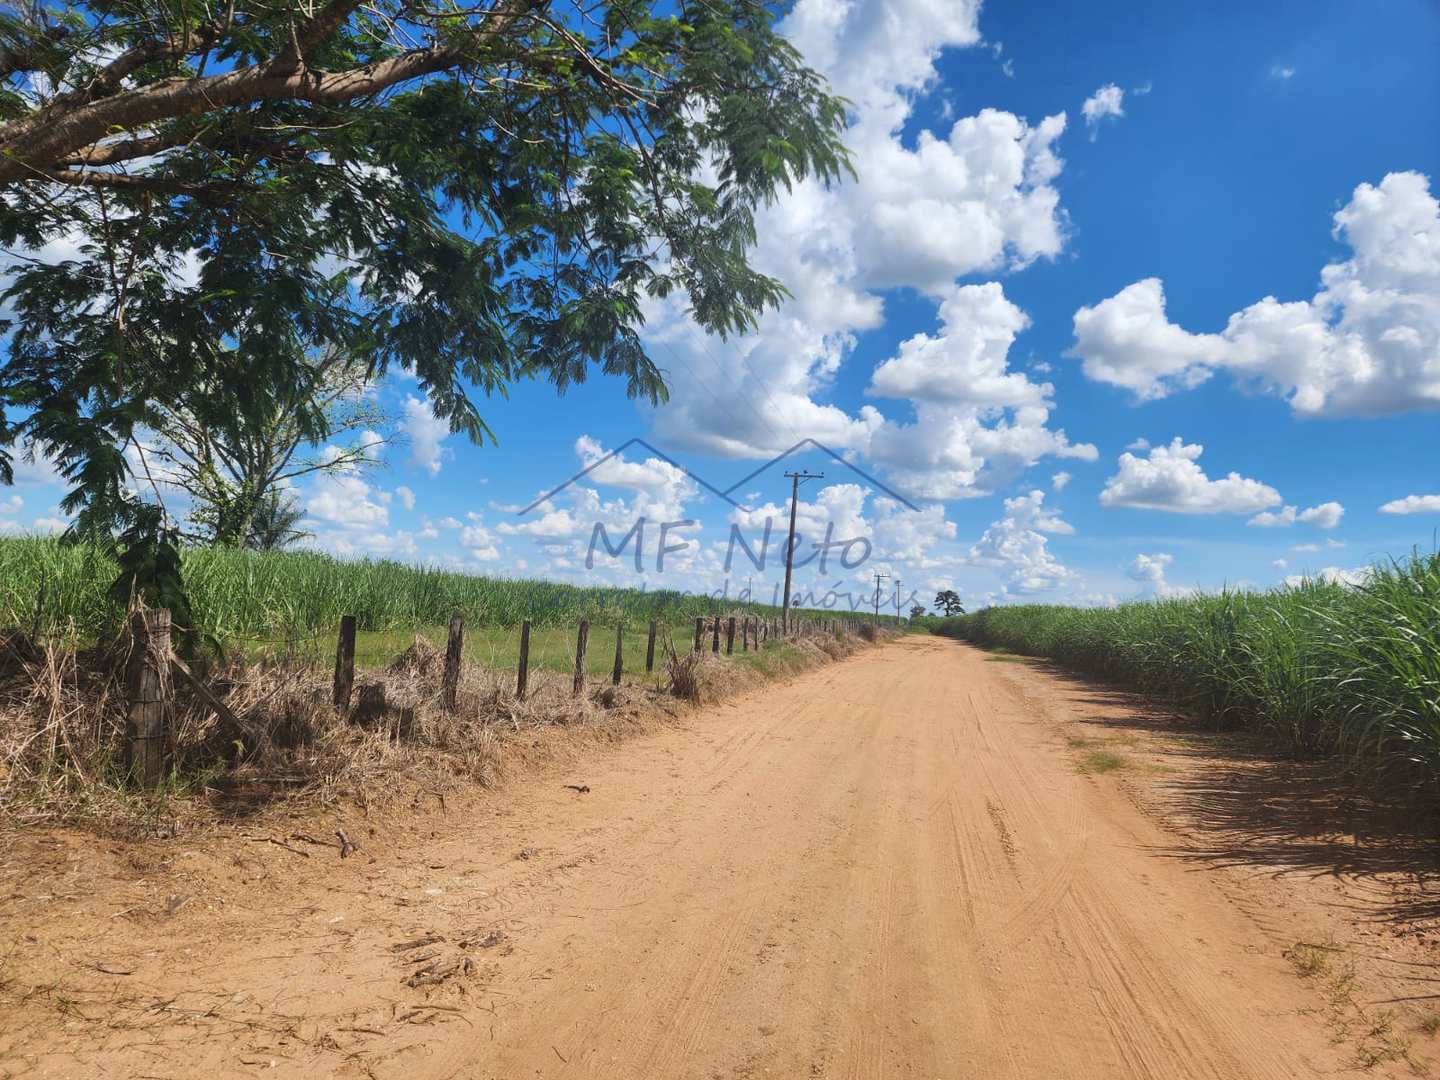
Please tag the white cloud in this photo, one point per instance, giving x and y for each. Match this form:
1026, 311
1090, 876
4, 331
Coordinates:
406, 497
1150, 570
1059, 480
1367, 344
479, 543
426, 434
1109, 100
550, 525
1413, 504
975, 196
31, 468
966, 362
1016, 546
1356, 575
343, 498
660, 489
1170, 479
978, 424
1274, 519
1280, 564
1325, 516
1283, 72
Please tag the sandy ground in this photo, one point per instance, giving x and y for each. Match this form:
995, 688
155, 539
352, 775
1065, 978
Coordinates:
918, 862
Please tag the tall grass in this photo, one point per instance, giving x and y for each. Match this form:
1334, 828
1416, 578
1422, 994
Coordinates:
246, 594
1322, 667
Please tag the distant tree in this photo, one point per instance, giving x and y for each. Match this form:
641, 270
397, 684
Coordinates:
918, 611
948, 601
233, 463
274, 522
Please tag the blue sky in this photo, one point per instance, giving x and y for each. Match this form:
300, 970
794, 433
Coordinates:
1080, 232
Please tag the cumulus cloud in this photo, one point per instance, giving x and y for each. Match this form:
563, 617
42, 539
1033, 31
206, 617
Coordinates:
346, 499
1150, 570
479, 543
1109, 100
32, 468
1170, 478
426, 434
51, 524
406, 497
614, 495
1413, 504
1059, 480
978, 424
975, 196
1325, 516
1016, 546
1367, 344
1356, 575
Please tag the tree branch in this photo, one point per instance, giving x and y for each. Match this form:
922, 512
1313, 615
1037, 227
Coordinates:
31, 55
125, 182
37, 142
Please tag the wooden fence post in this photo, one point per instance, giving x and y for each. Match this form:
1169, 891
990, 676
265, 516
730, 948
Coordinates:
345, 663
730, 636
650, 648
715, 640
581, 641
619, 654
522, 677
450, 684
148, 688
699, 629
745, 634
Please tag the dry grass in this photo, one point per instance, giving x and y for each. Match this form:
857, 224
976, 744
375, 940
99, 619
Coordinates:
62, 729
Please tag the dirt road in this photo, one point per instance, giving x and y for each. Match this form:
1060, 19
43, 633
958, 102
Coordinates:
889, 867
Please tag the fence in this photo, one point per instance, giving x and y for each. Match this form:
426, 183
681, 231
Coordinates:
152, 663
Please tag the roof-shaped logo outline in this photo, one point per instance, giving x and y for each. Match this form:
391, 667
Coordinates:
725, 494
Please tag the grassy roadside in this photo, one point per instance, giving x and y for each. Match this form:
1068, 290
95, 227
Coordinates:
1322, 668
62, 723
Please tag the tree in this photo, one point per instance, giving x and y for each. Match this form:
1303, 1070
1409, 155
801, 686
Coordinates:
948, 601
473, 194
231, 464
917, 611
274, 523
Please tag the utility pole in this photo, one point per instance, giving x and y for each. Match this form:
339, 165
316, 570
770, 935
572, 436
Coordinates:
897, 601
795, 480
879, 577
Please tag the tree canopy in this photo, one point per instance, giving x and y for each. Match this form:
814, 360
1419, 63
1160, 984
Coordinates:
235, 468
948, 601
206, 194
